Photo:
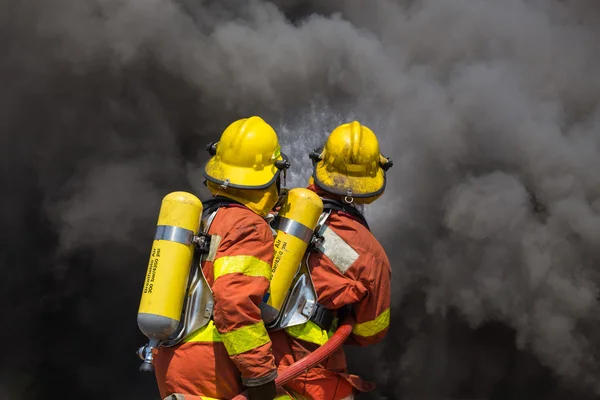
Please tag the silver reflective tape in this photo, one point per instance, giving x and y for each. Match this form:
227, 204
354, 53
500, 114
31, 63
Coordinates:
294, 228
215, 241
174, 234
341, 254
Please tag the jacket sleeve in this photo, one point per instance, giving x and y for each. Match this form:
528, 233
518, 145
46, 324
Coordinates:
242, 272
372, 312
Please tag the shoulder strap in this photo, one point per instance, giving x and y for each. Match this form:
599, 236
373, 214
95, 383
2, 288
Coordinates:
211, 207
334, 205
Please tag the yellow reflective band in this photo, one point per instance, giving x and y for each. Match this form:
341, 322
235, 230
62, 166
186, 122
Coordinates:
291, 395
373, 327
207, 333
309, 332
247, 265
246, 338
179, 396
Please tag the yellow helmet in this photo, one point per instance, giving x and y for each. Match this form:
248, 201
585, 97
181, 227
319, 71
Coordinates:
350, 164
248, 156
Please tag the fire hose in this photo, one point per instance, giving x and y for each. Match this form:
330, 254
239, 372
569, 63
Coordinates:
316, 357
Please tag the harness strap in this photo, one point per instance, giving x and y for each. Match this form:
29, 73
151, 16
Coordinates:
323, 317
211, 207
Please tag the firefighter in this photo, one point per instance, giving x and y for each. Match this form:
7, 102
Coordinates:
349, 268
233, 351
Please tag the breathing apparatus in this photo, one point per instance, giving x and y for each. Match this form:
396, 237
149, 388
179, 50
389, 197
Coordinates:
294, 228
177, 241
176, 298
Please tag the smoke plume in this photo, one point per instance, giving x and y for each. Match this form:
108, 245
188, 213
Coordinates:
491, 217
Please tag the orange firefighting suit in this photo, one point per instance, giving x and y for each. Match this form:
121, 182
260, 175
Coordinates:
351, 269
235, 348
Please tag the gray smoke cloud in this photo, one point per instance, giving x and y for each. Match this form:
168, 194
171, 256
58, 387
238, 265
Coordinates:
489, 110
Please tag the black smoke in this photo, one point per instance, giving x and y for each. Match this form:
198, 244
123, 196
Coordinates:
489, 110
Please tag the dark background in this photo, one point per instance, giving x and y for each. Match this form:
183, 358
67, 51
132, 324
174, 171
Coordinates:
490, 218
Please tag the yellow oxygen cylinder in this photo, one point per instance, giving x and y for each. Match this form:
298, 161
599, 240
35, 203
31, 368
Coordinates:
168, 270
296, 222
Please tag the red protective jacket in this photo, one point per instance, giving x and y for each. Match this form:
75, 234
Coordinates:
235, 349
351, 268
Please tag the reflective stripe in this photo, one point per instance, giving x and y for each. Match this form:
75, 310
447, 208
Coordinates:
291, 395
246, 338
309, 332
373, 327
247, 265
179, 396
215, 241
207, 333
337, 250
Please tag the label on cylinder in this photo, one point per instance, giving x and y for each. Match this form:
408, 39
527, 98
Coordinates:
166, 279
152, 267
280, 248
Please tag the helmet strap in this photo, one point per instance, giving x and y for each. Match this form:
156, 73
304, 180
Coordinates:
278, 184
